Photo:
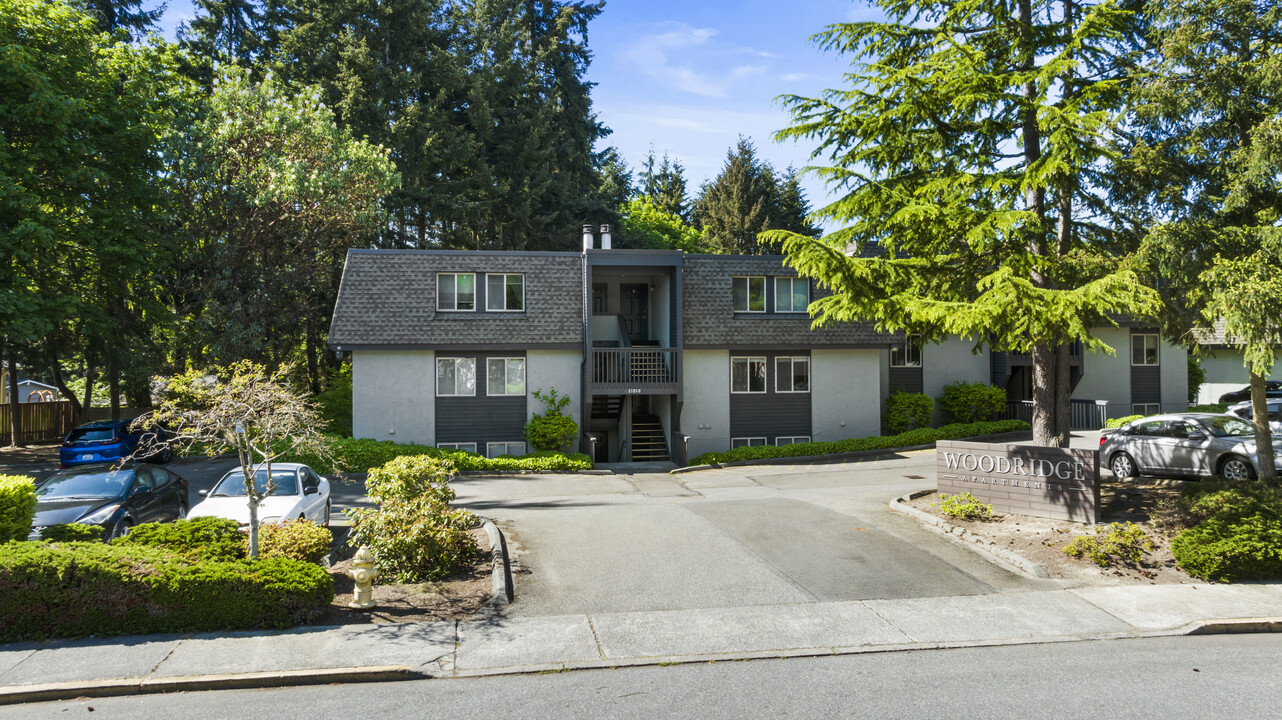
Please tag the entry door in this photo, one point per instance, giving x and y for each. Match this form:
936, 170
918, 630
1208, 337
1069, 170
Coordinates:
634, 308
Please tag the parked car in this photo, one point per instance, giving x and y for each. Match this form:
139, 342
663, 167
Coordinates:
1272, 388
1186, 445
300, 494
117, 498
1243, 410
108, 440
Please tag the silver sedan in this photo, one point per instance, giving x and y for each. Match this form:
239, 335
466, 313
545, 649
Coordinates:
1188, 444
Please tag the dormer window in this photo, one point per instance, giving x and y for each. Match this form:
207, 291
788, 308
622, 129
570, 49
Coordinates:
456, 291
792, 295
504, 292
749, 294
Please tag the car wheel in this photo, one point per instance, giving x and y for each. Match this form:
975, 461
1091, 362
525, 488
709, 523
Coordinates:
1236, 468
325, 520
182, 512
1124, 467
122, 528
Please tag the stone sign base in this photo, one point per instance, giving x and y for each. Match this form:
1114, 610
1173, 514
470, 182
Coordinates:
1056, 483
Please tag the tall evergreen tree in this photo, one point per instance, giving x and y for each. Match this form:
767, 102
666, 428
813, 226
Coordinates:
965, 147
663, 183
127, 15
791, 210
734, 207
225, 31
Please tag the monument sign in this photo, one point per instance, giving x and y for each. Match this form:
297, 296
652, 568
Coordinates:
1048, 482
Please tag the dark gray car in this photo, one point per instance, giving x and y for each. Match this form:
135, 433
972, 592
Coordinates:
1184, 445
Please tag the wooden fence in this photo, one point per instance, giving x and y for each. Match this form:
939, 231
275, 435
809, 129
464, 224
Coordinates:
39, 421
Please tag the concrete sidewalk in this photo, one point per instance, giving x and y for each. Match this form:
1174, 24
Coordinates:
500, 645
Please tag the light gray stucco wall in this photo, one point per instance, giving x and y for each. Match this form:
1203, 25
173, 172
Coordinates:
660, 304
842, 401
1175, 377
548, 369
1108, 377
393, 395
705, 413
952, 361
1226, 373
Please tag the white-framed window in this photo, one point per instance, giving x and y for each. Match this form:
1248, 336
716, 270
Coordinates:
505, 292
1144, 349
908, 353
746, 442
456, 291
469, 447
455, 377
792, 374
791, 294
747, 374
1146, 409
495, 449
781, 440
749, 294
505, 376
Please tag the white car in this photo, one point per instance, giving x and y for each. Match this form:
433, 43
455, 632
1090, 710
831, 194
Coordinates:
300, 494
1274, 405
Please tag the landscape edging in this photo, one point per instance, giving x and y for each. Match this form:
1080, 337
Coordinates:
503, 592
980, 545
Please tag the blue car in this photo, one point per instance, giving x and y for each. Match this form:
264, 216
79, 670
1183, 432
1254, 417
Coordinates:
108, 441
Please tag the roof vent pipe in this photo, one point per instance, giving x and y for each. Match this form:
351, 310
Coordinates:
605, 237
588, 239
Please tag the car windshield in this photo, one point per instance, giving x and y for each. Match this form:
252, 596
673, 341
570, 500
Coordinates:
98, 434
1229, 427
95, 485
234, 484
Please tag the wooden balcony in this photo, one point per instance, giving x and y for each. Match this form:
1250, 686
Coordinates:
635, 371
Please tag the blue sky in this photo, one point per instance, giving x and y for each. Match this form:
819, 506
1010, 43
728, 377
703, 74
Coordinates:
688, 77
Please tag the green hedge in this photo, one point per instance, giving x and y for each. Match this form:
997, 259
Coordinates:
920, 436
76, 589
17, 507
72, 532
206, 538
352, 455
1239, 536
1210, 407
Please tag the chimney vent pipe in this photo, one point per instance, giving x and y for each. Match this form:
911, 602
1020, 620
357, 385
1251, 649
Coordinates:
605, 237
588, 238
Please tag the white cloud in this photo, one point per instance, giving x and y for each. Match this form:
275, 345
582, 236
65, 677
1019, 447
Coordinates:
689, 60
794, 77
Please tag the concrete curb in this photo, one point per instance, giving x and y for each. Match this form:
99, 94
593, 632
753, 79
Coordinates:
988, 549
238, 681
501, 576
838, 457
1236, 625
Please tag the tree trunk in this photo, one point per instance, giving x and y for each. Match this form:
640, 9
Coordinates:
313, 369
15, 410
90, 376
1263, 433
55, 369
113, 384
1044, 425
1063, 397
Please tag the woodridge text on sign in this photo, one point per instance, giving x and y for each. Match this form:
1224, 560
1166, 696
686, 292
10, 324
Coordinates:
1046, 482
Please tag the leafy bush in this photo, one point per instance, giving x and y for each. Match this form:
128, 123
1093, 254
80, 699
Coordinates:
1112, 544
293, 539
908, 411
965, 402
335, 402
17, 507
353, 455
71, 532
965, 506
1239, 536
920, 436
413, 534
1196, 376
1210, 408
76, 589
206, 538
1119, 422
551, 430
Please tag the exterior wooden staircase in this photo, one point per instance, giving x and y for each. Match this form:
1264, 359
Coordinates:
648, 443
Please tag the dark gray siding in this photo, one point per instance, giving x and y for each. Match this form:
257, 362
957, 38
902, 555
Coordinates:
998, 359
1146, 383
905, 379
770, 414
482, 418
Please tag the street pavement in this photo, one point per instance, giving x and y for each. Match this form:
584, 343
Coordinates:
642, 569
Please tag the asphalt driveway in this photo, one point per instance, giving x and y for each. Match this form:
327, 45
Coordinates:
726, 538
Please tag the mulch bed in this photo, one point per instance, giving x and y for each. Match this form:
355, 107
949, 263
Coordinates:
1147, 503
457, 597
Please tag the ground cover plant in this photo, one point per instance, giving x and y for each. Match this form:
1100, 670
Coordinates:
1237, 535
351, 455
93, 588
920, 436
206, 538
414, 534
964, 506
71, 532
1112, 544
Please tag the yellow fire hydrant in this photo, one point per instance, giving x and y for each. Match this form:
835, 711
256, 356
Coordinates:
363, 573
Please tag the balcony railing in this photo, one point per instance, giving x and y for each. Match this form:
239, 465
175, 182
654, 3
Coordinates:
635, 370
1085, 414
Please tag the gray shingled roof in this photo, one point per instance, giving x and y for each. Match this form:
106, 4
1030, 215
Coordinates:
710, 319
388, 298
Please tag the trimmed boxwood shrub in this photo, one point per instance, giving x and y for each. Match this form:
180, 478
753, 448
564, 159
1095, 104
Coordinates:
75, 589
908, 411
71, 532
206, 538
293, 539
920, 436
17, 507
352, 455
965, 402
1239, 536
